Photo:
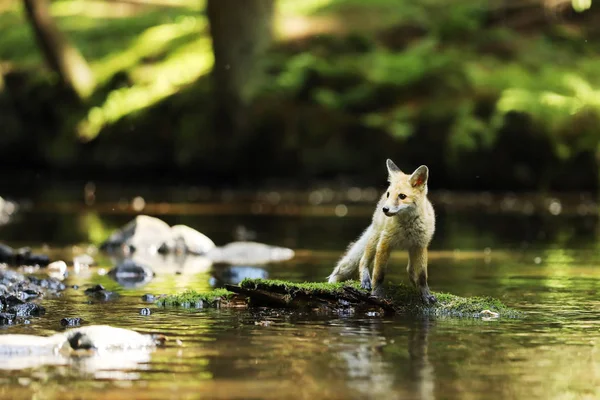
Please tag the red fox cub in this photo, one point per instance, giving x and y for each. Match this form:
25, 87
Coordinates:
404, 218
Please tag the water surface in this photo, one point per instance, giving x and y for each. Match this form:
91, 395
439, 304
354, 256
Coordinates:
541, 263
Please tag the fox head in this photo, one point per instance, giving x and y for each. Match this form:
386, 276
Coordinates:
405, 191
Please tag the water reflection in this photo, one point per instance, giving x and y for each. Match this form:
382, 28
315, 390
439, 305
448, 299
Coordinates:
541, 263
117, 365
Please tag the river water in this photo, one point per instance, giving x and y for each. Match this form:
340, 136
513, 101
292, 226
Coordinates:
542, 262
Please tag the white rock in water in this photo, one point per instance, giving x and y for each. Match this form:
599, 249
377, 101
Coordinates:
103, 337
143, 233
249, 253
194, 241
57, 266
81, 262
149, 234
115, 349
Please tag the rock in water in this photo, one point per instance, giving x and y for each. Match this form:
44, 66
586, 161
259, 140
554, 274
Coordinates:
81, 262
6, 254
57, 269
131, 274
249, 253
153, 235
74, 321
190, 240
143, 232
100, 293
7, 209
98, 337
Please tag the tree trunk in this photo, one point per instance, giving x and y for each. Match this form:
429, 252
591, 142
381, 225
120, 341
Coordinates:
241, 32
60, 55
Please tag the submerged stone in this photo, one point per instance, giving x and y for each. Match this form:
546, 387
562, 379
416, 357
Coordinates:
188, 240
22, 256
131, 274
249, 253
71, 321
94, 289
149, 234
145, 311
6, 253
98, 292
7, 318
27, 310
149, 298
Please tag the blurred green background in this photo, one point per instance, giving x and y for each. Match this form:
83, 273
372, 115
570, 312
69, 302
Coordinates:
491, 95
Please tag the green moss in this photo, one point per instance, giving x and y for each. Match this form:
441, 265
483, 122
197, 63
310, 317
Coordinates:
409, 300
191, 298
290, 287
404, 298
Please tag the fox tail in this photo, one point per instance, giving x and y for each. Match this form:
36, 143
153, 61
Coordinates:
347, 266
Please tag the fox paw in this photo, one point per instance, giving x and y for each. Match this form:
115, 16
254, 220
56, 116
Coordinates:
428, 298
366, 283
378, 292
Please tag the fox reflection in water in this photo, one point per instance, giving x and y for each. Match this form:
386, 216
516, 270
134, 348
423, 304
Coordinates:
372, 365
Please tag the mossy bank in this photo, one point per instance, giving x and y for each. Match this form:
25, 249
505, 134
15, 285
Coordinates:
345, 297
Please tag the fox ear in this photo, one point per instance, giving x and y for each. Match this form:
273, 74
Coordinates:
419, 177
391, 167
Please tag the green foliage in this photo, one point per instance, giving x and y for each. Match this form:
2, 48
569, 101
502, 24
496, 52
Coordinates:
191, 298
384, 68
291, 287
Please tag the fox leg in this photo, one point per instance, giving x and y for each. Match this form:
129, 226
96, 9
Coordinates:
365, 261
382, 255
417, 272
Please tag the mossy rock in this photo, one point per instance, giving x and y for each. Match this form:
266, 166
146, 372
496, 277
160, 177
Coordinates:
400, 298
339, 297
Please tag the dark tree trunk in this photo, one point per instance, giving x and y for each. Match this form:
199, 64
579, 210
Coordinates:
241, 32
60, 55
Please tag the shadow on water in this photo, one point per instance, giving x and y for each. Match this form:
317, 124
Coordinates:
542, 262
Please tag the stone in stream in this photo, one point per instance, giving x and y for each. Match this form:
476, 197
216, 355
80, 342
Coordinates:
26, 310
144, 232
7, 319
71, 321
22, 256
153, 235
188, 240
149, 298
128, 273
145, 311
7, 210
105, 348
250, 253
147, 236
57, 268
98, 292
81, 262
6, 254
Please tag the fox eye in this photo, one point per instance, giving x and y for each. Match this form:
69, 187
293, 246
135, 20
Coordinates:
402, 196
388, 194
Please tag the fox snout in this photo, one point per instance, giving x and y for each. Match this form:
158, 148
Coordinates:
389, 212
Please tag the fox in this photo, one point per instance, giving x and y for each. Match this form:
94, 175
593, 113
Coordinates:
404, 218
